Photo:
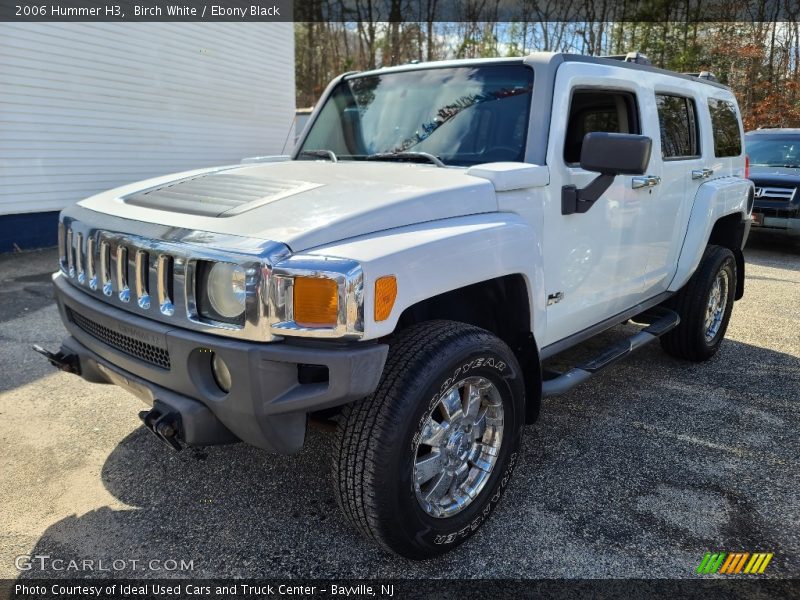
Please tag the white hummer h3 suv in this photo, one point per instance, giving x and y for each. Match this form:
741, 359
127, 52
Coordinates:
438, 232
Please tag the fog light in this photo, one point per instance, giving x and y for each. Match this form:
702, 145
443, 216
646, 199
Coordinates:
222, 374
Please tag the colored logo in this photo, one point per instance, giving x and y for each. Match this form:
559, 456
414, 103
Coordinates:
734, 563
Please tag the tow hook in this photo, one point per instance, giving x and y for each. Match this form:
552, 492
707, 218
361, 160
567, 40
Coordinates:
165, 426
63, 361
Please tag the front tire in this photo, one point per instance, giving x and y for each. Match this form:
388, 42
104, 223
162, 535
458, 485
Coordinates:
704, 305
420, 464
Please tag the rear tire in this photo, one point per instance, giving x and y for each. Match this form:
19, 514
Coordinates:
704, 305
420, 464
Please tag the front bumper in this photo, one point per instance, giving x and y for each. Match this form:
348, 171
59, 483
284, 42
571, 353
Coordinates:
787, 224
275, 385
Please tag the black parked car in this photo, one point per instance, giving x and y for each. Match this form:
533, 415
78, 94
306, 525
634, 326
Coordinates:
775, 169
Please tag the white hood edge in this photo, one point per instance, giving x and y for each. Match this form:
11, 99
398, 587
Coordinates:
342, 200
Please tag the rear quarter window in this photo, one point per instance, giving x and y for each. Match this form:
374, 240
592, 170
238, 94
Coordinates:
725, 126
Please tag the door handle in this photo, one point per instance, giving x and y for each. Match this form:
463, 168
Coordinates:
647, 181
702, 173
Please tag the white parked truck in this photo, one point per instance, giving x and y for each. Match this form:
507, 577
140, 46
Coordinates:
439, 231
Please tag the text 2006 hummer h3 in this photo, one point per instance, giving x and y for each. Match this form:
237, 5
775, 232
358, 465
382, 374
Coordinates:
439, 231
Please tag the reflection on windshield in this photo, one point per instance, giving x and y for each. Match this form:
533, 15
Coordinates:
463, 115
446, 113
779, 151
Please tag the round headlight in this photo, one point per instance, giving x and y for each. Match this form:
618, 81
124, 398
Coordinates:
227, 289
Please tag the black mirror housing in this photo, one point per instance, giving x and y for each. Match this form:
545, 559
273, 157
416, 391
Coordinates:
615, 153
609, 154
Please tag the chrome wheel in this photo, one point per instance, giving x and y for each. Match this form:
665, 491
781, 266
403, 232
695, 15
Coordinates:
717, 302
458, 447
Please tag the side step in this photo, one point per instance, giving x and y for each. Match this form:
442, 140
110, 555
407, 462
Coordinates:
659, 321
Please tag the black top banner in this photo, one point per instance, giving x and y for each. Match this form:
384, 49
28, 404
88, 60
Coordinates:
400, 10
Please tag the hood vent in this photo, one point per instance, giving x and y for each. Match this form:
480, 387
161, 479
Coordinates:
219, 194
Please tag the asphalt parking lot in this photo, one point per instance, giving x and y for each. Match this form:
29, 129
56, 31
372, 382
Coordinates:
636, 474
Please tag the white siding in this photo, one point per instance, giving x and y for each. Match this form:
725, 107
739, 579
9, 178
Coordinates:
86, 107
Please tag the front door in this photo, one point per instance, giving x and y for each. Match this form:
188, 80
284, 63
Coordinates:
594, 262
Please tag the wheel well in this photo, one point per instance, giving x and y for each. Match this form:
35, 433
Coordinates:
499, 305
728, 232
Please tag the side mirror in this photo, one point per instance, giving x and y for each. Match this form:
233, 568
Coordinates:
616, 153
609, 154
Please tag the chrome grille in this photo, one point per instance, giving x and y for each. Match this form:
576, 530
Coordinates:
155, 278
775, 193
119, 259
130, 346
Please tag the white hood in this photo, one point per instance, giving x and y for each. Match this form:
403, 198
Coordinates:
303, 204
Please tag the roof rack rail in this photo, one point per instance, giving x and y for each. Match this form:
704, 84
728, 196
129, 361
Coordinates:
707, 75
632, 57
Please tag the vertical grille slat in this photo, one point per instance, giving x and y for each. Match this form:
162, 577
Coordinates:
70, 254
62, 246
121, 268
164, 268
105, 267
91, 273
152, 279
142, 275
178, 273
79, 262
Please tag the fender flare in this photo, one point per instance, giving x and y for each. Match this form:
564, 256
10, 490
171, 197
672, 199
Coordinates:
715, 200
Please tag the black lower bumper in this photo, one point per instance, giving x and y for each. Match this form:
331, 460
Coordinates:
274, 385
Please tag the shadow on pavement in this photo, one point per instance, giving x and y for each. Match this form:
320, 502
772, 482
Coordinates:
772, 249
637, 473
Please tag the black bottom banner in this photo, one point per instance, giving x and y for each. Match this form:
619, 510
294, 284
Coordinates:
113, 589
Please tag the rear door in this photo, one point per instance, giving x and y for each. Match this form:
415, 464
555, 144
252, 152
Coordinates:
678, 156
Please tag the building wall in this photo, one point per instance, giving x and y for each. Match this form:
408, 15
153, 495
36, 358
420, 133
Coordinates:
85, 107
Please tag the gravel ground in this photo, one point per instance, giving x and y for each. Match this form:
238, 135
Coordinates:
636, 474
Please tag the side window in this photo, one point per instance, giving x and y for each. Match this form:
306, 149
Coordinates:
676, 118
598, 110
725, 123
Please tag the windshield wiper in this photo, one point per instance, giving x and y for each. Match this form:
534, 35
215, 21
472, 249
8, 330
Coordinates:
320, 154
411, 156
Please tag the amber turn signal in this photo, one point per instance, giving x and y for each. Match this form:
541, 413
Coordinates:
385, 295
316, 302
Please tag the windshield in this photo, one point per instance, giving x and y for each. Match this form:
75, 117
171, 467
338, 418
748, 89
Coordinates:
774, 151
462, 116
